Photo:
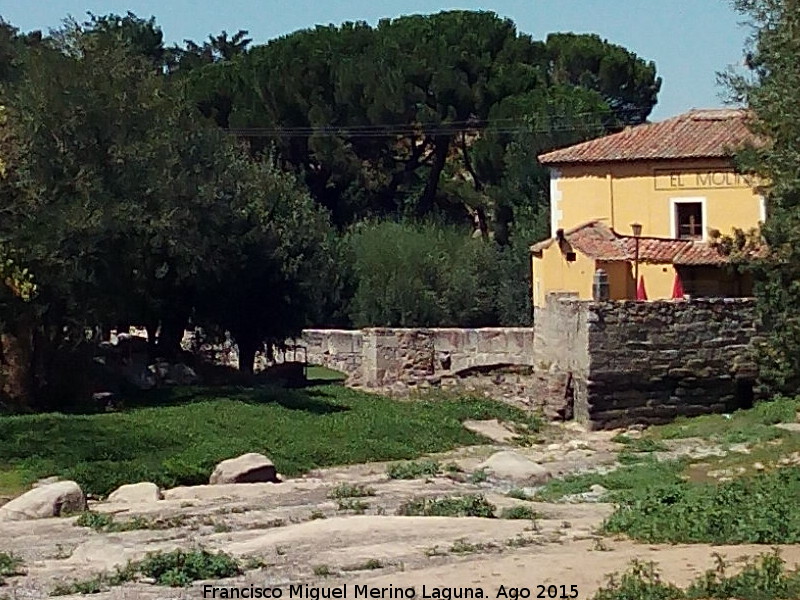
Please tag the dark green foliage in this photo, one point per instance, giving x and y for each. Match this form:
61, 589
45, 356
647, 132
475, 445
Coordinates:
758, 510
417, 469
392, 106
765, 578
769, 90
180, 568
188, 431
519, 512
462, 506
10, 566
173, 569
640, 582
432, 275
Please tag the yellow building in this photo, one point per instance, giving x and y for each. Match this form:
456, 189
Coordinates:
676, 179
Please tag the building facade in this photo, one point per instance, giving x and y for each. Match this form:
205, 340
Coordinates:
677, 180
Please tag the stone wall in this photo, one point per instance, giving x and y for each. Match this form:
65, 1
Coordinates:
377, 357
339, 349
649, 362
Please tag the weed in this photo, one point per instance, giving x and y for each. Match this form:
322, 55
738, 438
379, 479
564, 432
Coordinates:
346, 490
353, 504
430, 552
372, 564
519, 494
414, 469
105, 523
173, 569
254, 562
316, 515
757, 510
641, 582
280, 550
600, 545
221, 528
521, 541
323, 571
519, 512
478, 476
452, 468
458, 506
764, 578
462, 546
10, 566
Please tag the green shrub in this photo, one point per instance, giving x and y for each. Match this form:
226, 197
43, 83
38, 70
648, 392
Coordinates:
759, 510
179, 568
414, 469
519, 512
478, 476
10, 566
460, 506
641, 582
347, 490
173, 569
765, 578
432, 275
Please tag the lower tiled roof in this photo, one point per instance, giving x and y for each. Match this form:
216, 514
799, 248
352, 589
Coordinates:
598, 241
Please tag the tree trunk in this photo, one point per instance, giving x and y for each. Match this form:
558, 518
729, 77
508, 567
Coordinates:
16, 352
247, 354
170, 336
440, 150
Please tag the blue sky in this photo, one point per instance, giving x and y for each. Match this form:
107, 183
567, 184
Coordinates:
690, 40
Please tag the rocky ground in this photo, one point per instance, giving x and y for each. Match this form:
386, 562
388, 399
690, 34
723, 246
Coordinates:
299, 532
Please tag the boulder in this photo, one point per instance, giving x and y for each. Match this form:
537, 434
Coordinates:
181, 374
515, 467
51, 500
136, 493
248, 468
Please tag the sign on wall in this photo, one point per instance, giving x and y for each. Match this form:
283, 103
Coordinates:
671, 180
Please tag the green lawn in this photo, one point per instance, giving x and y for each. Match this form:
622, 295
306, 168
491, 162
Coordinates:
175, 437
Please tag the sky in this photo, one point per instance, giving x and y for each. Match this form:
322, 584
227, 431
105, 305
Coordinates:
689, 40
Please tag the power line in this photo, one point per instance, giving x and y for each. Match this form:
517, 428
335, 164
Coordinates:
497, 126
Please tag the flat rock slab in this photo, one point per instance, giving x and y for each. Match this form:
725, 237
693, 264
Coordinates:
515, 467
493, 429
795, 427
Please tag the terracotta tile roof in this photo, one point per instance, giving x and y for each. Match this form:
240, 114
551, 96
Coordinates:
598, 241
696, 134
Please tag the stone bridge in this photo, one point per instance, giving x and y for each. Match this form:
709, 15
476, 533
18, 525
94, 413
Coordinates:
378, 357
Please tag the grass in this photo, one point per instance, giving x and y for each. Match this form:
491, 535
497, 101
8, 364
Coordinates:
176, 436
105, 523
373, 564
418, 469
458, 506
10, 566
744, 426
753, 510
765, 578
640, 475
173, 569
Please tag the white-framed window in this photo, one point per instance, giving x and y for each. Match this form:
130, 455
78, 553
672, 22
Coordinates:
688, 218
